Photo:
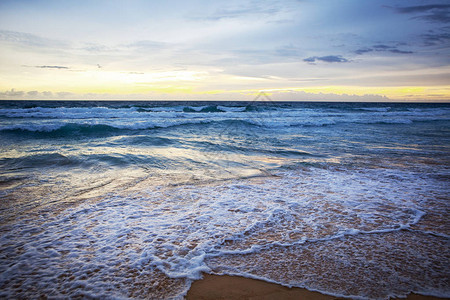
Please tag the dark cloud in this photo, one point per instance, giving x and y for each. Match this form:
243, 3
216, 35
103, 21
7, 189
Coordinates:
310, 59
397, 51
363, 51
382, 48
52, 67
328, 58
421, 8
443, 17
434, 12
432, 39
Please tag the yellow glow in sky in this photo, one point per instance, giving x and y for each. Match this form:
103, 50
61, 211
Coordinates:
224, 50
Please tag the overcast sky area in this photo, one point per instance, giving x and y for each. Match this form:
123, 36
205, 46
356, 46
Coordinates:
371, 50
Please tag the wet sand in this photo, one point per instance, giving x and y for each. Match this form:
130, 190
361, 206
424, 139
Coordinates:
235, 287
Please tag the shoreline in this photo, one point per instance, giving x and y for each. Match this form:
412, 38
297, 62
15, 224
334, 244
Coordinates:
236, 287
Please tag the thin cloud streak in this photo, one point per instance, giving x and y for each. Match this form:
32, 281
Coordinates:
382, 48
51, 67
422, 8
434, 12
328, 59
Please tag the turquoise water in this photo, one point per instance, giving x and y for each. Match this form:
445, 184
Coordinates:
137, 199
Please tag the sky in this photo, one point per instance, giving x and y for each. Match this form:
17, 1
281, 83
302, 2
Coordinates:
319, 50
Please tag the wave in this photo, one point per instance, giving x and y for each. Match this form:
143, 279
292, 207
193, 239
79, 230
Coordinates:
87, 113
58, 112
87, 129
220, 109
38, 161
258, 114
379, 109
56, 160
129, 111
107, 126
102, 120
201, 109
60, 129
108, 112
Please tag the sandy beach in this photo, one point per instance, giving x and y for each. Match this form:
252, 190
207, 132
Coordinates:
235, 287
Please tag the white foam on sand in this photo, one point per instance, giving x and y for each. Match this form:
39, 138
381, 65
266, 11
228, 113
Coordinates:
103, 247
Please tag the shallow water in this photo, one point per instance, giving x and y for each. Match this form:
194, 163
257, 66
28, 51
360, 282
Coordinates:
137, 199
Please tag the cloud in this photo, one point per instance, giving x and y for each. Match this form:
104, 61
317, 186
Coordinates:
32, 93
432, 39
52, 67
97, 48
12, 94
30, 40
382, 48
245, 95
434, 12
64, 94
400, 51
295, 95
422, 8
363, 51
328, 59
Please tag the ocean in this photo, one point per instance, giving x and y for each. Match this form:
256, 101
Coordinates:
128, 199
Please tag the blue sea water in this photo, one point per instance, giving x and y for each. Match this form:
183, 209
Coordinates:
129, 199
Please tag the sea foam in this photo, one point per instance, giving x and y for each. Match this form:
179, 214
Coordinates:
138, 199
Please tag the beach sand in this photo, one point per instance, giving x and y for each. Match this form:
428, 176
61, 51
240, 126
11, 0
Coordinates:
235, 287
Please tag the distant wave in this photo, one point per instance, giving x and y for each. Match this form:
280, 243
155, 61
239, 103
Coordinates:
86, 129
101, 127
82, 113
379, 109
131, 111
164, 116
104, 121
61, 128
108, 112
202, 109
